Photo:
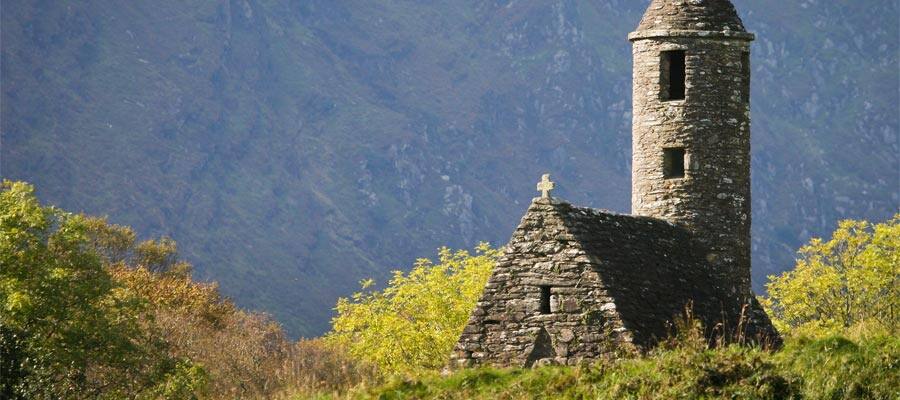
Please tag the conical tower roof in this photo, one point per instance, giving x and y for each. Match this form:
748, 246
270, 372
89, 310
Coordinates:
691, 15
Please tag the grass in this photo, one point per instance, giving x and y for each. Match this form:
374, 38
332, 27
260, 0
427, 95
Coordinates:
832, 368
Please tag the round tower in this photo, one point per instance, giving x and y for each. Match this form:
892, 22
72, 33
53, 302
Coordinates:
691, 128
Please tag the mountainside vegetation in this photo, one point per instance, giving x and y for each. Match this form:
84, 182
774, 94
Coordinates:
296, 148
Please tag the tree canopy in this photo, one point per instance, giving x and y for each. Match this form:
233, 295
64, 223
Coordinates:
848, 282
87, 311
69, 329
414, 322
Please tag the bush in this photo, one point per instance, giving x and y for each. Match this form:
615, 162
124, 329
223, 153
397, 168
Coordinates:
839, 368
849, 283
244, 355
414, 323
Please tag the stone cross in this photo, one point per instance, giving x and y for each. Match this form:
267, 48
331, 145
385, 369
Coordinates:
545, 186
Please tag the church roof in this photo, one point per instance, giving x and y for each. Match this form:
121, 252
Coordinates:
691, 15
651, 269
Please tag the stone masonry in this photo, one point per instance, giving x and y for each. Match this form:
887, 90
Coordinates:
614, 280
577, 284
711, 124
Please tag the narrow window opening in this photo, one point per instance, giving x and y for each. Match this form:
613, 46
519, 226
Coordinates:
745, 75
545, 299
673, 163
672, 75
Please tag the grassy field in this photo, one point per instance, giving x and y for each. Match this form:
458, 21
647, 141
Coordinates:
828, 368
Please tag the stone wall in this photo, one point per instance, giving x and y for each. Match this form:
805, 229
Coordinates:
712, 124
617, 282
507, 327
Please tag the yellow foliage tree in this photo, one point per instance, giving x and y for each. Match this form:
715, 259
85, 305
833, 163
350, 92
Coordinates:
848, 283
413, 324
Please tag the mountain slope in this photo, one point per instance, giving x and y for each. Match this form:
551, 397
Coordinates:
294, 148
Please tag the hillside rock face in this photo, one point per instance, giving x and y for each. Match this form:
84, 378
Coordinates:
294, 148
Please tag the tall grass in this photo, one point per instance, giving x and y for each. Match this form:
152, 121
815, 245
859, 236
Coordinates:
832, 368
313, 368
248, 357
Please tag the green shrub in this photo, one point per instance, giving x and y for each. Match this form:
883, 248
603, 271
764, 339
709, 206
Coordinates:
413, 324
848, 283
838, 368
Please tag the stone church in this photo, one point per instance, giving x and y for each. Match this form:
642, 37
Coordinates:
577, 283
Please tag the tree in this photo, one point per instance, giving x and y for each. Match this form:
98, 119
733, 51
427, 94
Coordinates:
68, 326
413, 323
850, 282
89, 312
241, 352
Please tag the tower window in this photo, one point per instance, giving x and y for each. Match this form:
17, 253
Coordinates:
745, 76
673, 163
672, 75
545, 299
